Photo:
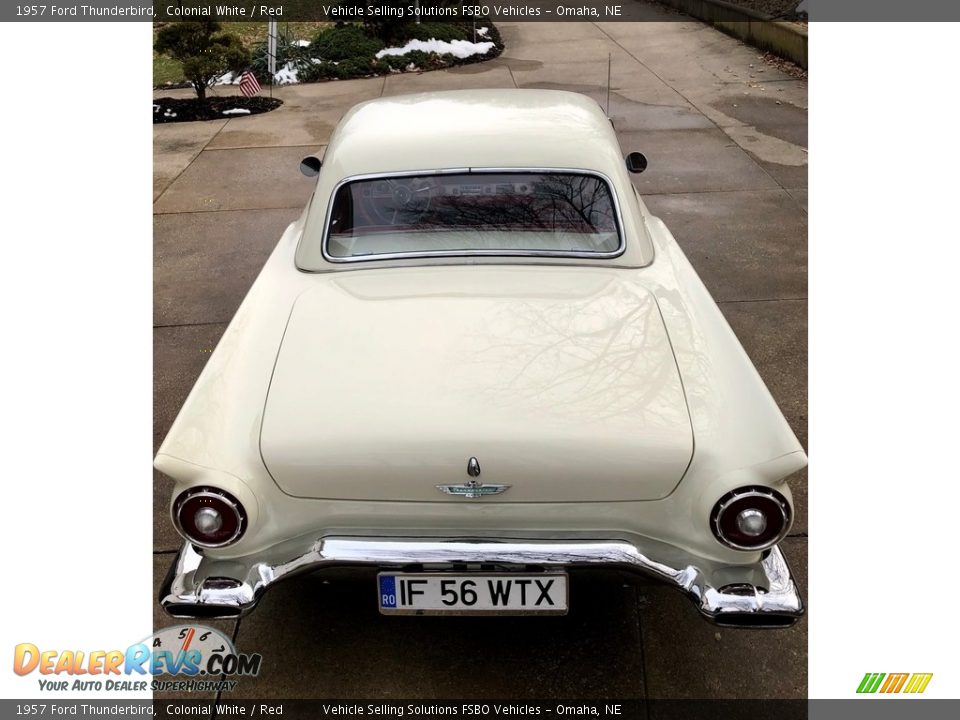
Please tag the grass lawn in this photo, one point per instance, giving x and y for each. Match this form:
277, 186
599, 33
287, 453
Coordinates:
168, 71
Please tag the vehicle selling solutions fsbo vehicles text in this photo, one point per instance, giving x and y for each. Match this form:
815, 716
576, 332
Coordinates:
466, 11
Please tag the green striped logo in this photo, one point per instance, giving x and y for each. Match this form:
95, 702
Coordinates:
912, 683
870, 683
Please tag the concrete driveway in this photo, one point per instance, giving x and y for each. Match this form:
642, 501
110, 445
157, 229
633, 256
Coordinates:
725, 135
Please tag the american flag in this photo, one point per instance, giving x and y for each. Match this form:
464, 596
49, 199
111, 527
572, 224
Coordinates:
248, 84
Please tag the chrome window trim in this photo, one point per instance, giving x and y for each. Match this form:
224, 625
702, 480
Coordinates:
618, 217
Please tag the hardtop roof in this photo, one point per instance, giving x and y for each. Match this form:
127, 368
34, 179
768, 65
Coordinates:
474, 128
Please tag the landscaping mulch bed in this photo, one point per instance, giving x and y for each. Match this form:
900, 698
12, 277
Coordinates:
773, 9
167, 110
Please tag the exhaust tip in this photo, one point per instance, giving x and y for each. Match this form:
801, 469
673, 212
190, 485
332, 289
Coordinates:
754, 620
202, 612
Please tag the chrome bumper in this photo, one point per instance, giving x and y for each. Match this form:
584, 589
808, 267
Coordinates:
760, 595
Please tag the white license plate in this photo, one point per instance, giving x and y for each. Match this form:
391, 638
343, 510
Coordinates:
493, 594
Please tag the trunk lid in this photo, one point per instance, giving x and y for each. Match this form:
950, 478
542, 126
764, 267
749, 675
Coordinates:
560, 381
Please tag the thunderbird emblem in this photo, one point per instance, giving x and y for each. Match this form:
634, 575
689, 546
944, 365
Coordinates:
474, 488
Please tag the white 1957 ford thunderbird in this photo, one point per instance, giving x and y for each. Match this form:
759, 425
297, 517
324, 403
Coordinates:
474, 363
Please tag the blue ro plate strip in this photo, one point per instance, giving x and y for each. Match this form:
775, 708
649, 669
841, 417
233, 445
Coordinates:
388, 591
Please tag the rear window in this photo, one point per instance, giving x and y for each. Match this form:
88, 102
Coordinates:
481, 213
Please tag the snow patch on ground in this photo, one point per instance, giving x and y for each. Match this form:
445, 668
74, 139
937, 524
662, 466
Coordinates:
287, 75
457, 48
228, 79
236, 111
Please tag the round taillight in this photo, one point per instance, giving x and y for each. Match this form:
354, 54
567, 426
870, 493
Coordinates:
751, 518
209, 517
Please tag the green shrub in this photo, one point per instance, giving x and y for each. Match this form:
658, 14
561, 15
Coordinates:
437, 31
393, 30
388, 28
422, 60
395, 62
205, 52
287, 51
436, 62
341, 70
417, 57
355, 67
342, 42
316, 71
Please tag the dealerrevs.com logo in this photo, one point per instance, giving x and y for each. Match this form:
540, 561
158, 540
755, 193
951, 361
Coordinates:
911, 683
200, 658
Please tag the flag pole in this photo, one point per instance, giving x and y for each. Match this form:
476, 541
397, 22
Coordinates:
271, 51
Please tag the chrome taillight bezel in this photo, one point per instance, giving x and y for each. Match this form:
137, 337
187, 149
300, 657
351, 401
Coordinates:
223, 501
773, 505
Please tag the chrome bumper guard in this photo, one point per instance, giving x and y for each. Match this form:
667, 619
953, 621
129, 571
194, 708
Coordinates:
759, 595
